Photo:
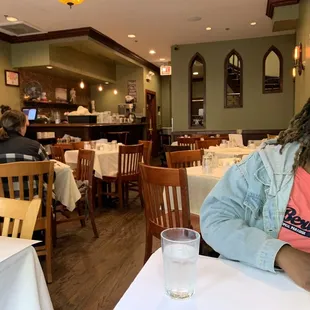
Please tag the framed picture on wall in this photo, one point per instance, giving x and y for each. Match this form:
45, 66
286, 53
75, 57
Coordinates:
11, 78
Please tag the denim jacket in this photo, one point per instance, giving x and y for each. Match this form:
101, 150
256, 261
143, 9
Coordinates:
242, 216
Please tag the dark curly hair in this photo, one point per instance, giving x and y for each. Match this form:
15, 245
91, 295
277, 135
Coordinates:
4, 108
298, 131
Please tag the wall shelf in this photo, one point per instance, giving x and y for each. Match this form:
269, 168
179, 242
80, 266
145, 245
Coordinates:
58, 105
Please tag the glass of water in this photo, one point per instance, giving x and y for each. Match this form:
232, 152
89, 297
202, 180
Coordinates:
180, 248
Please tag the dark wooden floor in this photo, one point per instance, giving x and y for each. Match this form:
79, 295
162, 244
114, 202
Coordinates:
91, 273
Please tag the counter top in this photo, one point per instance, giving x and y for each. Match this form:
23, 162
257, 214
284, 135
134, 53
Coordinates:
84, 125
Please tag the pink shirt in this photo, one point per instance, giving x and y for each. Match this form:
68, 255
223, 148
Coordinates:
296, 225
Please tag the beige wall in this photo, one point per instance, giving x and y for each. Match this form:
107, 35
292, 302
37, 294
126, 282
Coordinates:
9, 95
302, 91
260, 111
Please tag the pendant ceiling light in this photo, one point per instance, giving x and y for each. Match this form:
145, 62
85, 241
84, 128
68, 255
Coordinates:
71, 3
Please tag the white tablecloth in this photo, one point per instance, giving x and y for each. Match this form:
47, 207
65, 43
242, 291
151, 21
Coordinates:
230, 151
221, 285
200, 185
22, 283
65, 188
106, 162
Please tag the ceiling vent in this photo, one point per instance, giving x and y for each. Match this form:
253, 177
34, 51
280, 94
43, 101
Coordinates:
19, 29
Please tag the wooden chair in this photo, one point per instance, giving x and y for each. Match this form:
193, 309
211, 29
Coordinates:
120, 136
19, 217
84, 173
39, 177
171, 148
191, 142
205, 144
58, 153
165, 193
65, 146
184, 159
147, 151
78, 145
129, 158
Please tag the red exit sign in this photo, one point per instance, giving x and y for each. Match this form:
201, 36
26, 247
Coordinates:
165, 70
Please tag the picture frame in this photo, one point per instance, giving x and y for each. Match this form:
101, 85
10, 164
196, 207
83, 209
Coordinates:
11, 78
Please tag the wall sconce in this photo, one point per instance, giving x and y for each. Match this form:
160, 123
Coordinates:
299, 65
149, 76
294, 73
115, 92
82, 85
100, 88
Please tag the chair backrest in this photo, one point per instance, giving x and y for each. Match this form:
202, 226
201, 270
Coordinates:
147, 151
57, 153
165, 193
129, 158
176, 148
19, 216
191, 142
205, 144
184, 159
29, 180
78, 145
85, 166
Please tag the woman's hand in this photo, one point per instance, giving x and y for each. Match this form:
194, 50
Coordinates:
296, 264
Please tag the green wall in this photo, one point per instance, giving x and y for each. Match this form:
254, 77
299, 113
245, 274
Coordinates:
260, 111
9, 95
302, 82
166, 101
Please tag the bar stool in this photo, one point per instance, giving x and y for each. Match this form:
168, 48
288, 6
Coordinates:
120, 136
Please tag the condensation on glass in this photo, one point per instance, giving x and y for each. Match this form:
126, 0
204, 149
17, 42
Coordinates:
197, 92
233, 80
272, 71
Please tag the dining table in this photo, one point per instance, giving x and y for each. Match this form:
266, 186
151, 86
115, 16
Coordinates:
221, 284
200, 184
105, 164
65, 188
22, 282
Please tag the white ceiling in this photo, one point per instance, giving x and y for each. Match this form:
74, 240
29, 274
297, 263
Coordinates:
157, 24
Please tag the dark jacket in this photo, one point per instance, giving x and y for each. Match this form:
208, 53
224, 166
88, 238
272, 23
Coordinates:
17, 144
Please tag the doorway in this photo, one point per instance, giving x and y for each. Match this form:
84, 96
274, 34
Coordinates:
151, 119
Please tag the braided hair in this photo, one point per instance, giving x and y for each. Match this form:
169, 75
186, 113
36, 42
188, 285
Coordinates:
298, 131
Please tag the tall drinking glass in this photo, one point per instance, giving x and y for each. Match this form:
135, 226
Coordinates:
180, 248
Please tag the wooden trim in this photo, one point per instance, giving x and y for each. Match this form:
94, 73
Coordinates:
233, 52
86, 31
272, 4
198, 57
5, 37
278, 53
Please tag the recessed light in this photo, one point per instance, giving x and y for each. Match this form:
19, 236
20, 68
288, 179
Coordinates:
106, 83
253, 23
49, 67
195, 73
131, 36
152, 52
208, 28
194, 19
11, 18
162, 59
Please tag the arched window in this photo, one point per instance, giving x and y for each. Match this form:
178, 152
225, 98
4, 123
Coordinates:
233, 80
273, 71
197, 92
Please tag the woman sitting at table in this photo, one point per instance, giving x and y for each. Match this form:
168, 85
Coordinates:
12, 141
259, 213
